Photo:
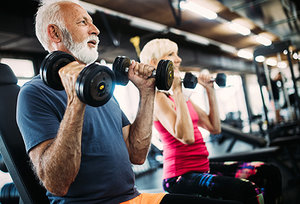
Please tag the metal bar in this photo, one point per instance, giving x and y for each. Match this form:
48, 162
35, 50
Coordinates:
297, 101
272, 49
261, 93
231, 145
247, 5
276, 23
269, 85
247, 101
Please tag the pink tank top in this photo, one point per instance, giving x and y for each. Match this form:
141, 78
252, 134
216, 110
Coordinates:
180, 158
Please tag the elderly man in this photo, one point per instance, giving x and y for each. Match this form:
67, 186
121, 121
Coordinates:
83, 154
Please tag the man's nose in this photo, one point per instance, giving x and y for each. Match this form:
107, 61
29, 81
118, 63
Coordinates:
94, 30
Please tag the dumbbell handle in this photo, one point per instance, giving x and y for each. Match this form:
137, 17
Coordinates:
211, 80
153, 74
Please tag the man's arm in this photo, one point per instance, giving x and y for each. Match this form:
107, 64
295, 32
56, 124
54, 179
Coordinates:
57, 161
138, 135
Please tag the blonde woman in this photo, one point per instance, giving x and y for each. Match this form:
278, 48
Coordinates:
186, 168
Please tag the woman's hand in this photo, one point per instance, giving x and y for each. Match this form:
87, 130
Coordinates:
206, 80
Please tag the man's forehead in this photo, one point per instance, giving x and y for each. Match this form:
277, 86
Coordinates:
74, 10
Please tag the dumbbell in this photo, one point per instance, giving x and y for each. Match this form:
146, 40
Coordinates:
164, 74
95, 83
190, 81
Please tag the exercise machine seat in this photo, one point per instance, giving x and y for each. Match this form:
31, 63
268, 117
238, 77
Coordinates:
229, 131
12, 147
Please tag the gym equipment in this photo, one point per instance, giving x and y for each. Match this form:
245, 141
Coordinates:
12, 147
231, 132
190, 81
95, 83
9, 194
221, 79
263, 74
2, 164
164, 74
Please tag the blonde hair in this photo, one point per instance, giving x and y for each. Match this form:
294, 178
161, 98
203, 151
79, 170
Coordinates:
156, 49
49, 13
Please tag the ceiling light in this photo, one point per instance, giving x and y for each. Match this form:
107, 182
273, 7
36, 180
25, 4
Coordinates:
295, 56
282, 65
176, 31
239, 28
196, 8
147, 25
197, 39
103, 62
259, 58
245, 54
262, 40
271, 62
227, 48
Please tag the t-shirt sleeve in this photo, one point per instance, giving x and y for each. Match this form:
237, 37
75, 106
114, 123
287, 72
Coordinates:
125, 120
36, 121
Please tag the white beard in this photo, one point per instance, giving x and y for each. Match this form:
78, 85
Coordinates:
81, 50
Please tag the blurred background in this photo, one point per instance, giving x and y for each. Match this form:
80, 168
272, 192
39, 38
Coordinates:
255, 43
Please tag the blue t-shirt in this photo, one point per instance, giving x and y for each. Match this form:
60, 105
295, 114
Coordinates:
105, 174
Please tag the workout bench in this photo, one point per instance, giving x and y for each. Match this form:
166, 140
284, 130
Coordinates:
12, 147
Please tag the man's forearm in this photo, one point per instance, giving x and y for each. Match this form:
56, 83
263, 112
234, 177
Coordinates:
140, 133
60, 161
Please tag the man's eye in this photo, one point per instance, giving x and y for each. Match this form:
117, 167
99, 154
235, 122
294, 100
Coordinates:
83, 22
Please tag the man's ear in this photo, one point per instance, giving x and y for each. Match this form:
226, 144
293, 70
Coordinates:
54, 33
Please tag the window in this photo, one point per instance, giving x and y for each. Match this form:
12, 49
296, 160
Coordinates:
22, 68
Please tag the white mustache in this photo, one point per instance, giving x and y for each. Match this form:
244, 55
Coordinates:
94, 38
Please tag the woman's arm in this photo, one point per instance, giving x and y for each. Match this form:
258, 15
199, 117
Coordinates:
178, 122
210, 121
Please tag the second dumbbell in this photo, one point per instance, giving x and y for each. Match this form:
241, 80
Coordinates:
163, 74
190, 80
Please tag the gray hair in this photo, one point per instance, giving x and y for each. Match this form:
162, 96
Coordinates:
49, 13
156, 49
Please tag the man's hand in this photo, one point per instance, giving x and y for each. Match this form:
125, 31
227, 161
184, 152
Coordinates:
139, 74
68, 75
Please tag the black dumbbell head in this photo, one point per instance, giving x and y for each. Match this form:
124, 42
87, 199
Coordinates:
50, 66
164, 75
119, 67
221, 79
190, 81
95, 85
